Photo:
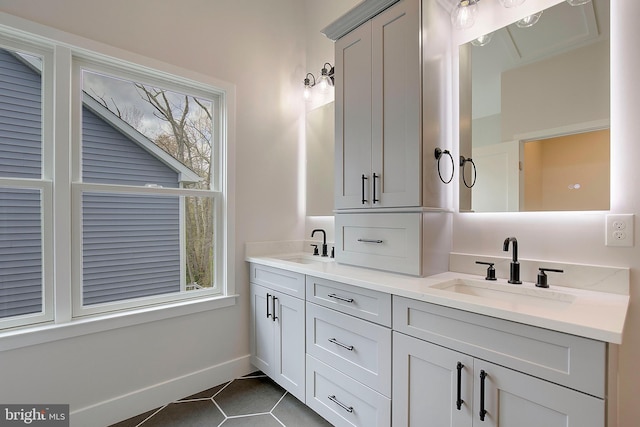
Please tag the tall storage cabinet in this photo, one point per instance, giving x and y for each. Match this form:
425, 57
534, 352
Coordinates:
378, 111
277, 332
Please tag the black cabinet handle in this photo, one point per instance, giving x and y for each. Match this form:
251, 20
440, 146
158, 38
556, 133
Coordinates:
338, 297
459, 400
340, 404
364, 178
268, 314
375, 176
483, 411
338, 343
273, 305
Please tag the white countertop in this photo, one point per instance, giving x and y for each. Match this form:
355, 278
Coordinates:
591, 314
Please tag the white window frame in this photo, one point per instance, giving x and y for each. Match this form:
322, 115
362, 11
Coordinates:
59, 50
44, 185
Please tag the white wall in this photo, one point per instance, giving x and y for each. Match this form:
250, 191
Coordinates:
579, 237
256, 45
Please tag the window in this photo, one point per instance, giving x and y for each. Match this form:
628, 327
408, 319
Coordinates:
143, 195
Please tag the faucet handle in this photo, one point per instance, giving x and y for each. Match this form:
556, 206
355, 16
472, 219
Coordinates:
315, 249
491, 271
542, 277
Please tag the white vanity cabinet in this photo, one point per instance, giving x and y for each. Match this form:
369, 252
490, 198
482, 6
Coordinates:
378, 111
454, 368
277, 332
348, 353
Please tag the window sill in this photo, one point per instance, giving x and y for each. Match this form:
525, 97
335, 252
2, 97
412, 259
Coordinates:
24, 337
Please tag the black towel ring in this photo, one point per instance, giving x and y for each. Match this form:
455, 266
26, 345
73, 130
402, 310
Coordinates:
463, 163
438, 154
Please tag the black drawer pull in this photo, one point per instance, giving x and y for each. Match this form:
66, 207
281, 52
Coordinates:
483, 412
340, 404
370, 241
268, 314
375, 176
273, 304
338, 297
338, 343
364, 178
459, 400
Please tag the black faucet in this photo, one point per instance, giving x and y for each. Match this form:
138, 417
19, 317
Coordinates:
514, 272
324, 240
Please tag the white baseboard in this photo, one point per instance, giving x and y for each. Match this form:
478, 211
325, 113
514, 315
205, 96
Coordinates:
139, 401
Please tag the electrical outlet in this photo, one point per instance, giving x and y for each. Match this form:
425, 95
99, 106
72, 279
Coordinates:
619, 230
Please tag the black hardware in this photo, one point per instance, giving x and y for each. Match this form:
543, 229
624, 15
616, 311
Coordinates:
315, 249
514, 271
340, 404
459, 400
273, 305
364, 178
491, 271
324, 240
375, 176
438, 152
268, 314
463, 163
338, 297
542, 277
333, 252
483, 411
338, 343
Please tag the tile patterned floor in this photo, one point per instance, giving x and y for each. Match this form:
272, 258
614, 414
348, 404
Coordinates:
251, 401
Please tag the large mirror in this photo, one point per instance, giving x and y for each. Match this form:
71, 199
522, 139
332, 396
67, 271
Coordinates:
320, 129
534, 105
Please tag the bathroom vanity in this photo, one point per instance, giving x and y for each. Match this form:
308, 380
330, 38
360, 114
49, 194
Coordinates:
371, 348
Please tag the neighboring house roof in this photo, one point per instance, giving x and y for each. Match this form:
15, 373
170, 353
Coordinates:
185, 174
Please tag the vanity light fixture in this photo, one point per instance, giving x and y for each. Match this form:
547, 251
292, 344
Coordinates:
326, 77
529, 21
308, 85
464, 13
511, 3
577, 2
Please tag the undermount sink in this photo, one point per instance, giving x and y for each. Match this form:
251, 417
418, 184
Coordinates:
514, 294
310, 259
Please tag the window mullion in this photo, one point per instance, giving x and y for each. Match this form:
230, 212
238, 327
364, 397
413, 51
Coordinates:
62, 182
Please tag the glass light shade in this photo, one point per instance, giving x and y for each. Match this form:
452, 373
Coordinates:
482, 40
511, 3
307, 92
324, 82
529, 21
577, 2
463, 16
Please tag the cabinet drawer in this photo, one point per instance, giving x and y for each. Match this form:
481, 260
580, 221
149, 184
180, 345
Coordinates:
384, 241
356, 347
360, 302
285, 281
343, 401
568, 360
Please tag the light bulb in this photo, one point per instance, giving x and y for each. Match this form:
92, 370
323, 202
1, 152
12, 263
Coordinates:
529, 21
307, 92
463, 16
511, 3
482, 40
324, 83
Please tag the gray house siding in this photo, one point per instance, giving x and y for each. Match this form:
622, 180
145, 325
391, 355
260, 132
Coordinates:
20, 209
20, 252
20, 119
131, 243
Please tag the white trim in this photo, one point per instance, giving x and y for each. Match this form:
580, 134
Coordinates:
40, 334
139, 401
360, 13
570, 129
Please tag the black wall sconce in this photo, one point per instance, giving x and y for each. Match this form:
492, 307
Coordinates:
325, 80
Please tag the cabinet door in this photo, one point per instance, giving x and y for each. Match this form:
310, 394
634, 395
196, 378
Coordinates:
262, 329
353, 118
396, 106
516, 399
425, 385
290, 345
